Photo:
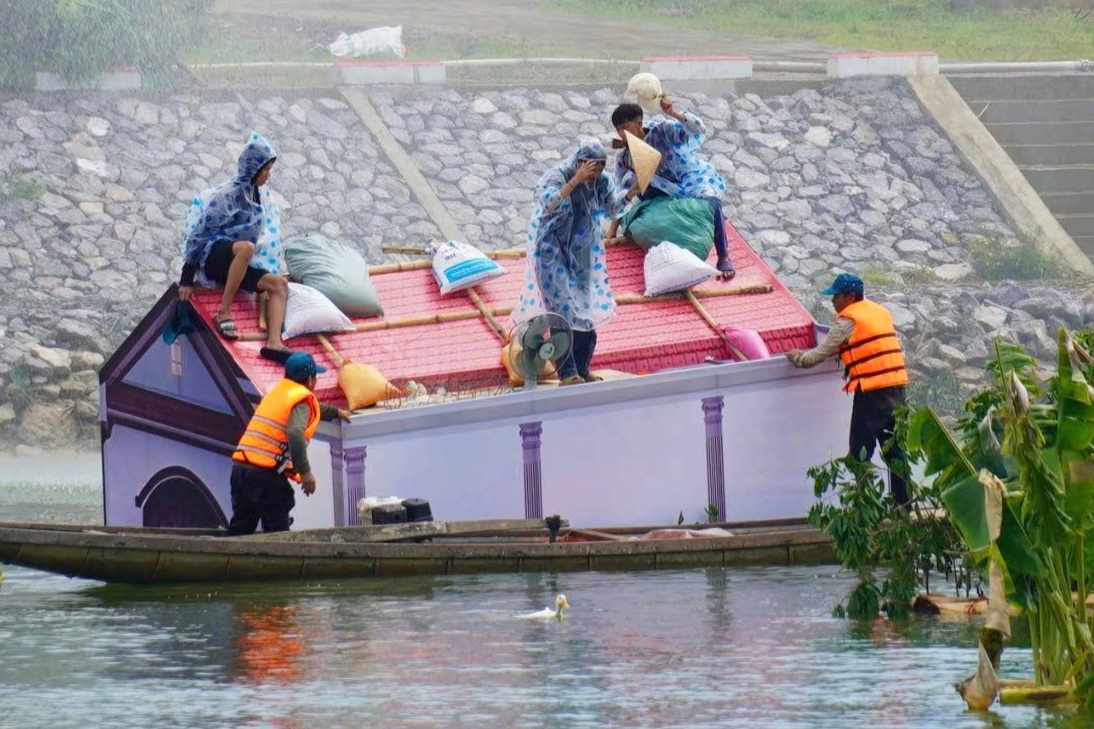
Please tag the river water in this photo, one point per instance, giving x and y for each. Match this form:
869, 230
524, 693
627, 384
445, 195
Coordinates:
689, 648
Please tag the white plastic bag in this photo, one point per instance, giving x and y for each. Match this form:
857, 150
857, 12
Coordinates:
371, 42
457, 266
668, 268
308, 312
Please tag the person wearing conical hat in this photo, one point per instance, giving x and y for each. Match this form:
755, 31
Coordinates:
681, 173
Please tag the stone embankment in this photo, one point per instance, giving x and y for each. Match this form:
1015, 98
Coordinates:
853, 177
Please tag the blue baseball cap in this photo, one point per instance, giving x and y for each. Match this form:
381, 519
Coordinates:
845, 283
300, 366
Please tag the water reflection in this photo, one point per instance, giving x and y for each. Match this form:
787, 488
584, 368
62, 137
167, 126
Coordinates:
694, 648
268, 644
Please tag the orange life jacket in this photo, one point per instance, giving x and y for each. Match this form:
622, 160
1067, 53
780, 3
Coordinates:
872, 357
265, 443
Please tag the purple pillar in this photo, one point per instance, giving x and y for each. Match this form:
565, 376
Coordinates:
338, 482
716, 475
533, 476
355, 484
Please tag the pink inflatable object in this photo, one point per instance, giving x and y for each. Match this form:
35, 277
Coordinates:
747, 342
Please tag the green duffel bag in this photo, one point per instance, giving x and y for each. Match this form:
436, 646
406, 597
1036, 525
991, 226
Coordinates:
335, 270
688, 222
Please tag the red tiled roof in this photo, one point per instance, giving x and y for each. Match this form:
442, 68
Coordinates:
644, 337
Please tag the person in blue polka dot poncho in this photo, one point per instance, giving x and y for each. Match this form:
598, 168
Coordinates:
233, 241
682, 173
566, 272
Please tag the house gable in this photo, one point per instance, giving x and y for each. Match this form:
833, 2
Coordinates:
189, 391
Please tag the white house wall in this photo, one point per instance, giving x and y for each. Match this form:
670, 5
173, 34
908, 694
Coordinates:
635, 451
131, 457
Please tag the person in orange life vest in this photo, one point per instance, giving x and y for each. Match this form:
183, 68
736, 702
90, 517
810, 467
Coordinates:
865, 339
274, 449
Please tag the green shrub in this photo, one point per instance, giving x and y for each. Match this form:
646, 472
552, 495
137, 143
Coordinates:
876, 276
995, 260
920, 275
77, 39
14, 186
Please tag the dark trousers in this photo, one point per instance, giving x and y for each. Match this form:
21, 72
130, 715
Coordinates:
580, 358
721, 245
872, 423
259, 495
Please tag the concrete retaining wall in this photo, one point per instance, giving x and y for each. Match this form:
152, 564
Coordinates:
847, 65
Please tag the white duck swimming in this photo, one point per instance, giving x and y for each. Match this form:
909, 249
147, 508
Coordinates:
561, 603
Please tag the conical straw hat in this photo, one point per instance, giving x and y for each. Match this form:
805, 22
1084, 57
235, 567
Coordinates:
645, 159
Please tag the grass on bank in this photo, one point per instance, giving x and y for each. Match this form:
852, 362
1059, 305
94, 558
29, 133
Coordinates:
1022, 260
232, 42
978, 34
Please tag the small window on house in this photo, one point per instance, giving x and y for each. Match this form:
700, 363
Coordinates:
176, 358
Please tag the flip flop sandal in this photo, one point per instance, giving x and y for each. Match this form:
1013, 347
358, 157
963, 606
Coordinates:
226, 327
573, 380
590, 377
276, 355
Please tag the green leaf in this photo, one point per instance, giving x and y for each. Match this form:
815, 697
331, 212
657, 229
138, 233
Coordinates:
1014, 547
1079, 494
965, 504
929, 436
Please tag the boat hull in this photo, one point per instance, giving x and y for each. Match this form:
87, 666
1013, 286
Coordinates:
135, 557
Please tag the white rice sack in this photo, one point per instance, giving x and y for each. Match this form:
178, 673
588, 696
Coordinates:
459, 265
309, 312
668, 268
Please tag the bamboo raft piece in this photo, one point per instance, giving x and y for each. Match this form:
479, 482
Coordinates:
1027, 692
500, 311
136, 555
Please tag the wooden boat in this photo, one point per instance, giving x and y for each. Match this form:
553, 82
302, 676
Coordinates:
145, 555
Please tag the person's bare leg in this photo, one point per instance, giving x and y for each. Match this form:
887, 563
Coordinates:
242, 252
277, 295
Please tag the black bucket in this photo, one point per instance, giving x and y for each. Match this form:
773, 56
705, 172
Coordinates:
417, 510
389, 514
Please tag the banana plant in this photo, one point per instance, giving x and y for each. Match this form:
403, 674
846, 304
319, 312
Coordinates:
1038, 443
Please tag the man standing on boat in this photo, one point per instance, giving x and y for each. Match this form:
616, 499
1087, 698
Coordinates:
864, 337
274, 449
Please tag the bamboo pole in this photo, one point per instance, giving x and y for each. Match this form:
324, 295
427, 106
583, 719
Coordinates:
339, 360
504, 254
714, 326
412, 321
1037, 695
399, 266
488, 312
481, 306
701, 294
